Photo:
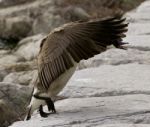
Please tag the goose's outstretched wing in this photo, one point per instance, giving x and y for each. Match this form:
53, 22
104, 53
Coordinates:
74, 42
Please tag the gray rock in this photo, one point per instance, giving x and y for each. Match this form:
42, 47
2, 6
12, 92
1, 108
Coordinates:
139, 29
124, 125
28, 48
16, 67
46, 22
22, 78
108, 80
140, 42
31, 9
28, 19
39, 16
3, 71
108, 94
6, 3
21, 66
16, 98
4, 52
138, 17
141, 14
144, 8
72, 13
95, 111
9, 59
7, 114
15, 27
117, 57
7, 62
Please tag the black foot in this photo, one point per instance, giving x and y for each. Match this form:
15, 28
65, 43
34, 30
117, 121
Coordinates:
50, 105
42, 113
49, 102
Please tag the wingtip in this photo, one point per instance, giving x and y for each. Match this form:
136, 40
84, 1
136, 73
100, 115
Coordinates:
120, 45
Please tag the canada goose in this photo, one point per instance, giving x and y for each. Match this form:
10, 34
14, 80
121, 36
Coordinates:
62, 50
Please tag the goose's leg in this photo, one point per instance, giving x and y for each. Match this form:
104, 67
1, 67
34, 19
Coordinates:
42, 113
50, 105
49, 102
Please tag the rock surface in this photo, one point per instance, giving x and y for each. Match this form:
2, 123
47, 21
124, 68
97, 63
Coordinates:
108, 80
7, 3
13, 101
34, 17
15, 27
23, 77
24, 16
28, 48
110, 90
96, 111
112, 57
